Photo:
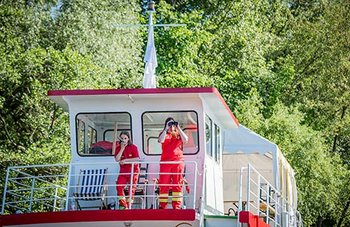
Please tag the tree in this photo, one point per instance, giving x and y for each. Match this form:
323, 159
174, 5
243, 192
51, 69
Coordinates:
320, 175
94, 28
41, 52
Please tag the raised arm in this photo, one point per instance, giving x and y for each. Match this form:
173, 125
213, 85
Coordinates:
183, 136
162, 135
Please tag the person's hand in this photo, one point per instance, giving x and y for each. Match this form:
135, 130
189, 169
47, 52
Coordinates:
122, 145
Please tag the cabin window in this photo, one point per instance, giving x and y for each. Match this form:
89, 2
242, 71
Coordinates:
208, 135
217, 143
153, 124
92, 136
80, 135
95, 132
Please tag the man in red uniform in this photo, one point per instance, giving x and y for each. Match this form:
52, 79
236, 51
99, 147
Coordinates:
126, 151
171, 175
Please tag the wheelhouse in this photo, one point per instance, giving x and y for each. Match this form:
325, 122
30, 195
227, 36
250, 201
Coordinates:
201, 113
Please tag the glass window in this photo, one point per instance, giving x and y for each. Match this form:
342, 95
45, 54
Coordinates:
208, 135
80, 135
92, 136
217, 143
153, 124
109, 136
95, 131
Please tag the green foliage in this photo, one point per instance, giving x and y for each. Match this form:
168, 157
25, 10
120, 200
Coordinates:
40, 52
282, 67
321, 176
92, 28
319, 173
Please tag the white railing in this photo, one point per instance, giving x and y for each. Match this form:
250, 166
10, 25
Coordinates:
262, 199
37, 187
48, 187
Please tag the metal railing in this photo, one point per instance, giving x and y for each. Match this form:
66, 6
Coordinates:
43, 188
37, 187
262, 199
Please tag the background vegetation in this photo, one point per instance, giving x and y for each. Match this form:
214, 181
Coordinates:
282, 66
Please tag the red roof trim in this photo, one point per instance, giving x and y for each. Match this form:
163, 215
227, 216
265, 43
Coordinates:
99, 215
131, 91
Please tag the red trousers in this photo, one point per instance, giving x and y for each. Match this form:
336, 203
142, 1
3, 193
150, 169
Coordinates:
122, 181
171, 177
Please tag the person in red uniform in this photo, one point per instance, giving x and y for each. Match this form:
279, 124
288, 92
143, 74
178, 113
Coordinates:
126, 151
171, 175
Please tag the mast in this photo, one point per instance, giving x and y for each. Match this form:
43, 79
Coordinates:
150, 59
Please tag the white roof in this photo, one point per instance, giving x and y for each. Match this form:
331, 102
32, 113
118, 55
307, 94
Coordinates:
209, 95
243, 146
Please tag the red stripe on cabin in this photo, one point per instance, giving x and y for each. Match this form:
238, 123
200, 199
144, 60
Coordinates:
98, 215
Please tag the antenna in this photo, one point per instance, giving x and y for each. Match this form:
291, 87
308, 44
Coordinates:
150, 59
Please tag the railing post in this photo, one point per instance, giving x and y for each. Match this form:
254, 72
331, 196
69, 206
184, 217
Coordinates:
259, 195
5, 190
131, 183
31, 194
195, 185
276, 207
268, 190
248, 188
55, 199
240, 206
68, 186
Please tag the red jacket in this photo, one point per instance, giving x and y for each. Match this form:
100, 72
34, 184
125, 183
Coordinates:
172, 148
130, 151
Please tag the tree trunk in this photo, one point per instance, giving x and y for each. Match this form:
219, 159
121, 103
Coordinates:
346, 207
336, 136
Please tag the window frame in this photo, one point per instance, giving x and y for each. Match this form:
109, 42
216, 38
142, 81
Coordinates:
174, 111
211, 153
77, 138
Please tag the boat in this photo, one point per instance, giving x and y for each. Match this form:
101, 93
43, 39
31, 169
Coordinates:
233, 175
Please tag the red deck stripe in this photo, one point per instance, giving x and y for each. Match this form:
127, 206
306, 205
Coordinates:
99, 215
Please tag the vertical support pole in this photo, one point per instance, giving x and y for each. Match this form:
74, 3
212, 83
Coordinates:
68, 186
5, 190
268, 204
55, 199
131, 184
195, 185
248, 188
258, 199
240, 205
31, 194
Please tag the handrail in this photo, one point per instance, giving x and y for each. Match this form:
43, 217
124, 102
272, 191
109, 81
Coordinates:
27, 190
270, 203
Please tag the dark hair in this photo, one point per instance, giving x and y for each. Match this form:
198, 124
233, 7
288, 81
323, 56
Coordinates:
126, 133
167, 120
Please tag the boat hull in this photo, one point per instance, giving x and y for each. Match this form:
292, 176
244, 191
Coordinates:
115, 218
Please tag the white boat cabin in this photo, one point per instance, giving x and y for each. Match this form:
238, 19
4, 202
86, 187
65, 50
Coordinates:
201, 113
215, 183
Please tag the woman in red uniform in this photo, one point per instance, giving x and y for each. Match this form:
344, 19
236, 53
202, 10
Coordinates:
171, 175
126, 151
